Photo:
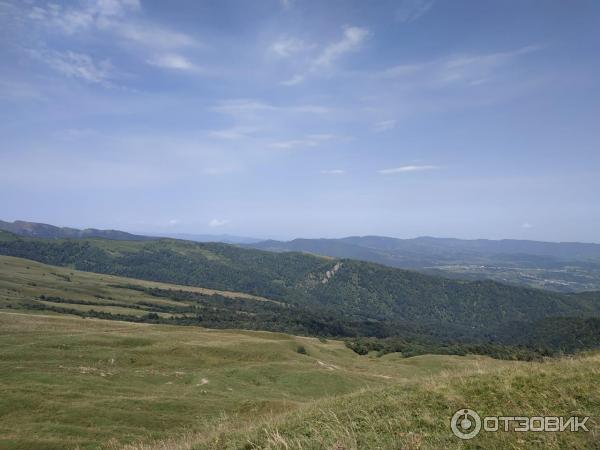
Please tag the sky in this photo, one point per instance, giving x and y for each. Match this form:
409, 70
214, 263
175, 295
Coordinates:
303, 118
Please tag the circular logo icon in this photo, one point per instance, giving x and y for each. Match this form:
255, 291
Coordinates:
465, 424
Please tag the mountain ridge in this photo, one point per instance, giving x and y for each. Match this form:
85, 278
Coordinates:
558, 266
369, 298
44, 230
564, 267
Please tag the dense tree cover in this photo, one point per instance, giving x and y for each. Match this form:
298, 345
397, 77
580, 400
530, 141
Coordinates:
561, 267
566, 334
422, 346
215, 311
327, 297
552, 336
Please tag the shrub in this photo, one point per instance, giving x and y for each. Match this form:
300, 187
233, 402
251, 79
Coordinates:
302, 350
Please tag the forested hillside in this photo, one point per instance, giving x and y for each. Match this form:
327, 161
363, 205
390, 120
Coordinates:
44, 230
334, 297
559, 266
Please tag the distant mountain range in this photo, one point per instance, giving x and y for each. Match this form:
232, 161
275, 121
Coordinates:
430, 251
43, 230
564, 266
225, 238
558, 266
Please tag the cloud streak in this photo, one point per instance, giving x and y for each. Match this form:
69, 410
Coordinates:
412, 10
297, 143
406, 169
351, 41
242, 106
173, 61
77, 65
466, 69
234, 133
384, 125
216, 223
288, 46
122, 20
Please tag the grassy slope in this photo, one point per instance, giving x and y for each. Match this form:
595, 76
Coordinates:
67, 382
22, 280
415, 414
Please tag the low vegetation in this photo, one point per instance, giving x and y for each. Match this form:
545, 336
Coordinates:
416, 414
68, 382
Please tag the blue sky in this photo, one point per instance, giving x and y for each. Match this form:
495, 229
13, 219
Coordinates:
288, 118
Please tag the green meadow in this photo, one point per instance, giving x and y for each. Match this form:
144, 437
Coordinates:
73, 382
69, 382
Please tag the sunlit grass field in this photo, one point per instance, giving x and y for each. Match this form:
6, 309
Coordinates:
72, 382
416, 413
69, 382
22, 280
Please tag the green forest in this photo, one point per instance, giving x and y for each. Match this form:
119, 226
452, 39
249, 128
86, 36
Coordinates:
376, 308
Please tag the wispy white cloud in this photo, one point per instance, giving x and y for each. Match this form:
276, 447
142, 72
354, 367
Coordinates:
249, 106
173, 61
215, 223
288, 46
233, 106
384, 125
234, 133
312, 140
152, 36
411, 10
405, 169
77, 65
526, 225
402, 70
475, 68
296, 143
114, 7
322, 136
351, 41
120, 18
99, 13
296, 79
467, 69
323, 62
333, 172
287, 4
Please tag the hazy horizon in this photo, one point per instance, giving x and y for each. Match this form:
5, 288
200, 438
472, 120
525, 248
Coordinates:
291, 118
169, 231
